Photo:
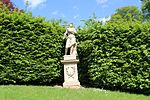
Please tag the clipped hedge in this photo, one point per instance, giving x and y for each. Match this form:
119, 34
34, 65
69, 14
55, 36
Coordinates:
115, 55
30, 49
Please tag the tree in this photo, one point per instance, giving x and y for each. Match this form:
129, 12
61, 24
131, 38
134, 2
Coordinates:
146, 8
8, 4
128, 13
116, 18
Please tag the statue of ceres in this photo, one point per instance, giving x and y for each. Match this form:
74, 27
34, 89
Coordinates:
71, 40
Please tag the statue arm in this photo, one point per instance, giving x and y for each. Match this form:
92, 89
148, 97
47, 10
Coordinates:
65, 34
75, 31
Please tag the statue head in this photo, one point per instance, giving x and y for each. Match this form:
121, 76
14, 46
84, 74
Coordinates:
71, 25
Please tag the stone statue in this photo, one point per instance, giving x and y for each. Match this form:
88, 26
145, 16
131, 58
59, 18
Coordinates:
70, 61
71, 40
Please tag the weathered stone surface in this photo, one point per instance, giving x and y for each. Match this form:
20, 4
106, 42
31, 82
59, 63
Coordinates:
70, 72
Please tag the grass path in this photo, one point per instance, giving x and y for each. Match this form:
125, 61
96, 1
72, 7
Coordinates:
50, 93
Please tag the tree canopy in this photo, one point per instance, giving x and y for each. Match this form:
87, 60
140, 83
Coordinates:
8, 3
127, 13
146, 8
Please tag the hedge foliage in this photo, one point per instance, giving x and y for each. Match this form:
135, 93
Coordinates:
115, 55
30, 49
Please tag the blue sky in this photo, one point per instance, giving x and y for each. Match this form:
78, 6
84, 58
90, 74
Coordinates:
75, 10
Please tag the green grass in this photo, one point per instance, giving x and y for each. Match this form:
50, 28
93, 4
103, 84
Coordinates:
51, 93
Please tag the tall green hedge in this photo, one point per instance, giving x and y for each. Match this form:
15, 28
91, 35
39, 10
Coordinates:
30, 49
115, 55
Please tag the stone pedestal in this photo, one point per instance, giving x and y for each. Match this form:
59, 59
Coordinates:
70, 72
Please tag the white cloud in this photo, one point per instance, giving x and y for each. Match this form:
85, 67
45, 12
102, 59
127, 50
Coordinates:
75, 7
35, 3
104, 19
101, 1
76, 16
55, 12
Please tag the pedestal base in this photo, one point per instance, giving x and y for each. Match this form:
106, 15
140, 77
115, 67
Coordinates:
70, 72
71, 84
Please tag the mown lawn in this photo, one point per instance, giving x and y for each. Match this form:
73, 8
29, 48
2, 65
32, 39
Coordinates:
52, 93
